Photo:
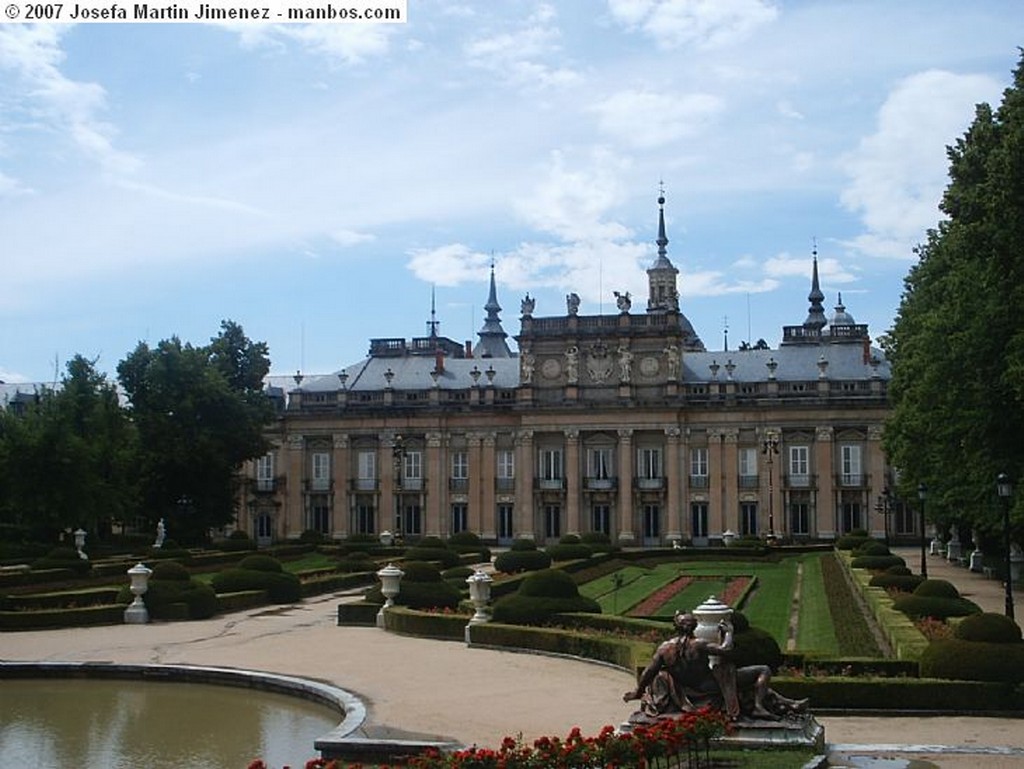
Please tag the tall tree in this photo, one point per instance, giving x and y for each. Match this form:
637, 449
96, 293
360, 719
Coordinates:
200, 412
957, 345
69, 461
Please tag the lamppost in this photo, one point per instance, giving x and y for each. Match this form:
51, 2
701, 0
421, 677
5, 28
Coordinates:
770, 448
922, 493
884, 508
1005, 488
398, 454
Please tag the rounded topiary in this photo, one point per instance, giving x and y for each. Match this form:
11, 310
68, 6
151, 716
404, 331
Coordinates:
988, 627
918, 606
569, 539
432, 542
541, 595
740, 623
312, 537
549, 583
420, 571
960, 660
872, 547
62, 558
899, 571
523, 544
464, 539
754, 646
238, 541
877, 562
447, 558
281, 587
852, 541
261, 563
170, 571
905, 583
457, 573
569, 552
937, 588
515, 561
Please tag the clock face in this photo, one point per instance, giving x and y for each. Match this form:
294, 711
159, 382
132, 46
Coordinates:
551, 368
649, 366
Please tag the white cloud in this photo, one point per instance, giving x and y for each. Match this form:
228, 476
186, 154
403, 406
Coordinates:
10, 187
646, 119
706, 23
448, 265
830, 269
348, 44
71, 107
519, 56
898, 173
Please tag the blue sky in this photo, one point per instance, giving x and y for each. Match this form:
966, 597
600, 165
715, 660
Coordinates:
316, 183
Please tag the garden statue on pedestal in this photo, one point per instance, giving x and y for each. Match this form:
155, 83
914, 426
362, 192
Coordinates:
680, 678
161, 534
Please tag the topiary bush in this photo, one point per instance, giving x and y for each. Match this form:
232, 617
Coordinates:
431, 552
877, 562
422, 587
568, 551
957, 659
464, 539
63, 558
900, 571
280, 587
356, 561
457, 574
918, 606
523, 544
988, 627
312, 537
515, 561
261, 563
170, 550
905, 583
238, 541
937, 588
871, 547
541, 595
172, 594
170, 571
852, 540
597, 541
754, 646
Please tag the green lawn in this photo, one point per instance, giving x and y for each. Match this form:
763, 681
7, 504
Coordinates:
768, 605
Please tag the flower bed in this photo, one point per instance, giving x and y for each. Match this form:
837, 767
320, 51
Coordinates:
733, 593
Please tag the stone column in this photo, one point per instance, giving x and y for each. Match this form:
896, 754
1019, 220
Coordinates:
674, 484
874, 463
436, 489
386, 469
526, 463
340, 505
626, 524
485, 517
730, 478
719, 519
294, 506
476, 479
572, 480
825, 521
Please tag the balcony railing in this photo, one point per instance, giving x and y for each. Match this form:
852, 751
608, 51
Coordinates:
550, 484
600, 484
318, 484
365, 484
851, 479
650, 483
698, 481
458, 484
505, 484
748, 481
797, 480
267, 485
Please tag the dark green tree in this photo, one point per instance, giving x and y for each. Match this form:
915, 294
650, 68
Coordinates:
957, 345
200, 413
70, 460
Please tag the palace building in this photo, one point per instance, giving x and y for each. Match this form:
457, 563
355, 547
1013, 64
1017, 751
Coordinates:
620, 423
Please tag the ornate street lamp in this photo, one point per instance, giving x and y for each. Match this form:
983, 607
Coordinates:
922, 493
1005, 488
770, 448
884, 508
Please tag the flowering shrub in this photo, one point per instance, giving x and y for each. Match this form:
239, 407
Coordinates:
671, 741
933, 629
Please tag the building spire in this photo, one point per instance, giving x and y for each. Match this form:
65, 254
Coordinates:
816, 314
662, 238
433, 323
492, 342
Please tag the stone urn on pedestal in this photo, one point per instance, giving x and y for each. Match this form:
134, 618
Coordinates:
137, 613
976, 554
710, 615
480, 595
390, 581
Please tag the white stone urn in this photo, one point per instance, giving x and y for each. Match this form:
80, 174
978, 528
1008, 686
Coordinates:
387, 538
390, 581
480, 594
728, 537
710, 616
976, 554
137, 613
80, 544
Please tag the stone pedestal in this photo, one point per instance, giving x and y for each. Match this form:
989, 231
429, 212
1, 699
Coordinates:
804, 732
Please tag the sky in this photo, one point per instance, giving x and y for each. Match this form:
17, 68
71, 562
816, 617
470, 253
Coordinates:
321, 185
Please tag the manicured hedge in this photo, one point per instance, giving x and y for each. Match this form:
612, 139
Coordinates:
568, 552
877, 562
541, 595
993, 628
917, 606
960, 660
280, 587
842, 694
937, 588
901, 582
514, 561
53, 618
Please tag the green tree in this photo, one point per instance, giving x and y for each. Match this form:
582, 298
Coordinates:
957, 345
200, 412
70, 460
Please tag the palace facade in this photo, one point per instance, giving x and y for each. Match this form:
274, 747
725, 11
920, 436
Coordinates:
620, 423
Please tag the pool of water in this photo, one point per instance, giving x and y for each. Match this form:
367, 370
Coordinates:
154, 725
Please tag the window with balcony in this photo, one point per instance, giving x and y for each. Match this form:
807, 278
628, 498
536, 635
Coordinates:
851, 468
412, 470
648, 468
748, 468
505, 523
321, 478
460, 471
265, 473
550, 472
799, 466
366, 473
599, 468
699, 468
601, 519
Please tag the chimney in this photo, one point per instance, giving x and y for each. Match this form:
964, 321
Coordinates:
439, 361
469, 349
867, 350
